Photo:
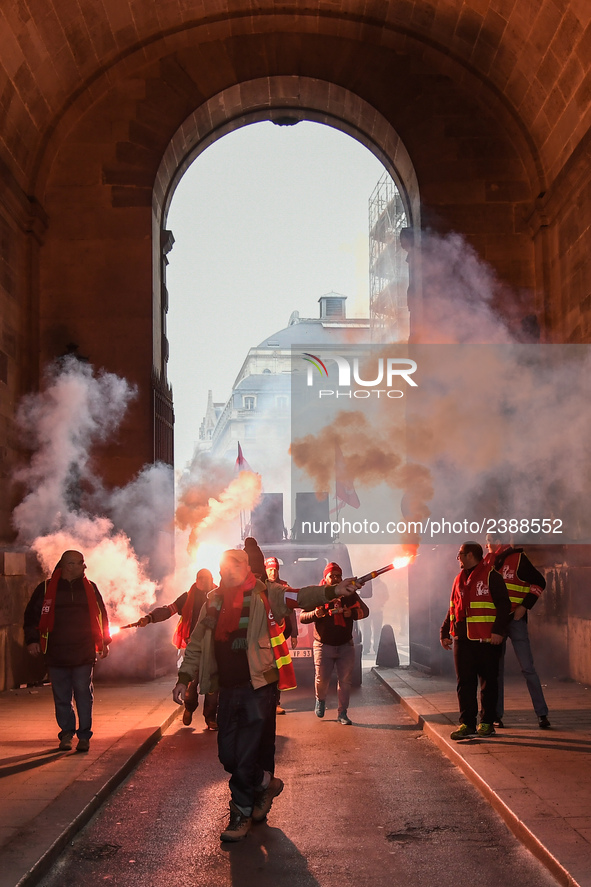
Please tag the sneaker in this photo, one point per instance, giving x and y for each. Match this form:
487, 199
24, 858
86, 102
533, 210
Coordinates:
280, 711
499, 723
319, 708
264, 800
187, 717
463, 732
238, 826
212, 725
543, 722
344, 718
486, 730
83, 745
66, 742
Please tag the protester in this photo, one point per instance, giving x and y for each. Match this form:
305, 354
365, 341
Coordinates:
66, 621
477, 620
237, 646
525, 584
333, 643
189, 606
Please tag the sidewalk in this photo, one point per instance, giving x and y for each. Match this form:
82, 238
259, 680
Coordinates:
539, 781
46, 796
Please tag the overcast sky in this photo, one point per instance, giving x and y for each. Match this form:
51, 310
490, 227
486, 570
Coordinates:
266, 221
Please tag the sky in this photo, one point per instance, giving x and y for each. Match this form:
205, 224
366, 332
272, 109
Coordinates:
268, 219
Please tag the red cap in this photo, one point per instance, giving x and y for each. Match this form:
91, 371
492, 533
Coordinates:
332, 568
271, 562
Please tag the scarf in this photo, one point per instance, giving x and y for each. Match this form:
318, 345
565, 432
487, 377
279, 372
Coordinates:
185, 625
47, 620
233, 612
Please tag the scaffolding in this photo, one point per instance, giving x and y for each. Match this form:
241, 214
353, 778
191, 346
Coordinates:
388, 269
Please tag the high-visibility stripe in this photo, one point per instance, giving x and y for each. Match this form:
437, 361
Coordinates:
480, 618
488, 605
280, 650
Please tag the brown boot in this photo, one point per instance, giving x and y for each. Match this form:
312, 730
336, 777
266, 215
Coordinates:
264, 800
238, 826
187, 717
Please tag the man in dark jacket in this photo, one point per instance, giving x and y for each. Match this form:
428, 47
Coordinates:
66, 621
333, 643
525, 585
189, 604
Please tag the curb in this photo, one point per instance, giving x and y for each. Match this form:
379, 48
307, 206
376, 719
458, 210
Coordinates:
59, 809
516, 825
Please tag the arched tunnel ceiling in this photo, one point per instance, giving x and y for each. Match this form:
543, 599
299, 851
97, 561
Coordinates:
534, 53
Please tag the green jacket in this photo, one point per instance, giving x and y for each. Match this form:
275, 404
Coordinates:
199, 662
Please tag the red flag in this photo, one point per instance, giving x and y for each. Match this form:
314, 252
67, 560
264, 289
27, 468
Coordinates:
345, 491
241, 463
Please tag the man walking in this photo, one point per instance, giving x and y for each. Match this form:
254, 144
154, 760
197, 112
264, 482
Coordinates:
66, 620
477, 619
525, 584
189, 605
333, 643
238, 646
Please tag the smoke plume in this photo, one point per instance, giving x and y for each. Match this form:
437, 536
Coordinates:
490, 431
65, 505
211, 497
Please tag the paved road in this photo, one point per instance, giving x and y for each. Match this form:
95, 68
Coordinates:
372, 804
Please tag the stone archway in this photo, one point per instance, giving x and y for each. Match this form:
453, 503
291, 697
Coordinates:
279, 99
108, 168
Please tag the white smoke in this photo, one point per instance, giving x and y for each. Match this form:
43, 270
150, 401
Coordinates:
111, 563
500, 432
75, 409
464, 302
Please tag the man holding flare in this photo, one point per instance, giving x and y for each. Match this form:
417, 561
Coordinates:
238, 647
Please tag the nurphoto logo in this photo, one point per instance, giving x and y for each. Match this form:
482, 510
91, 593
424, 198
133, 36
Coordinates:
389, 370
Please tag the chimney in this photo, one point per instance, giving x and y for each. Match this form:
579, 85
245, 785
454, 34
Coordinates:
332, 307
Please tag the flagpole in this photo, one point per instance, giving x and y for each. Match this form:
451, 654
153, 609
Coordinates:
239, 461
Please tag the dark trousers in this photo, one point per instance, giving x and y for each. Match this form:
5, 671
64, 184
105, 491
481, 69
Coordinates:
476, 661
246, 739
77, 683
210, 702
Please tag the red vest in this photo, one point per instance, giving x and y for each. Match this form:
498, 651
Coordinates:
471, 600
516, 587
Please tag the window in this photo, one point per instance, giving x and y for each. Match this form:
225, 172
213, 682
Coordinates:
282, 402
249, 402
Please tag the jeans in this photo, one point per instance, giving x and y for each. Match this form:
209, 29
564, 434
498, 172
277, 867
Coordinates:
246, 739
474, 660
520, 639
326, 656
65, 684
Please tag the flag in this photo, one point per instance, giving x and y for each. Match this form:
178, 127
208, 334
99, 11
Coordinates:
344, 489
241, 463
